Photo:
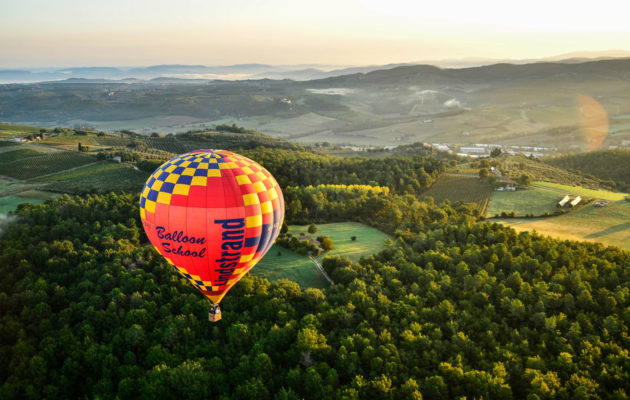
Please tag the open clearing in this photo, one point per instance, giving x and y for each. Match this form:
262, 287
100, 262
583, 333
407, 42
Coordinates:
561, 190
10, 203
533, 201
609, 225
369, 240
280, 263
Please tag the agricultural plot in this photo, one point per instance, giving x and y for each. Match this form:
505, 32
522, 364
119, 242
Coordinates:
534, 201
170, 144
34, 167
14, 155
10, 130
71, 139
609, 225
108, 140
101, 177
465, 188
579, 191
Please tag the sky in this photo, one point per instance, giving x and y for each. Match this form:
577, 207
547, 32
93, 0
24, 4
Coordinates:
70, 33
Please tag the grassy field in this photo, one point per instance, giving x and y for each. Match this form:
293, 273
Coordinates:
71, 139
369, 240
609, 225
42, 165
577, 190
10, 203
280, 263
533, 201
101, 177
17, 130
466, 188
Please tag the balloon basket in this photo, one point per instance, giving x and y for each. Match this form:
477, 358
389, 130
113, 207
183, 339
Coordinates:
214, 317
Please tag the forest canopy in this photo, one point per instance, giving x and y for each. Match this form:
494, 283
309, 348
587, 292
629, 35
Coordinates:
451, 308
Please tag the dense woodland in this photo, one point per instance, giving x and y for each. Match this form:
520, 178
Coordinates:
610, 165
451, 308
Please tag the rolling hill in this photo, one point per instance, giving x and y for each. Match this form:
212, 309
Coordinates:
533, 104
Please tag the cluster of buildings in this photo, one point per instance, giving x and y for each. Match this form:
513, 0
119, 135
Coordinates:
484, 149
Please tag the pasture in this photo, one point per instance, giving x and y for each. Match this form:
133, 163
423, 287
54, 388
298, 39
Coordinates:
369, 240
10, 203
534, 201
280, 263
609, 225
561, 190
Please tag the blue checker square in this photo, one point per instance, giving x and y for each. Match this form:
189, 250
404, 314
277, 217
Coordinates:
185, 179
167, 187
178, 170
151, 182
193, 164
163, 176
142, 202
188, 276
201, 172
153, 195
213, 165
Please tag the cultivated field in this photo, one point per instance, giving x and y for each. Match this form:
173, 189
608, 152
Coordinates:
10, 130
103, 176
609, 225
467, 188
33, 167
14, 155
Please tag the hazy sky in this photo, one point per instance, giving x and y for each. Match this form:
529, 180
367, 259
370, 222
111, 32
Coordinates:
59, 33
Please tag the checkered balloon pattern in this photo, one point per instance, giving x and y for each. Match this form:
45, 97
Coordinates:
213, 215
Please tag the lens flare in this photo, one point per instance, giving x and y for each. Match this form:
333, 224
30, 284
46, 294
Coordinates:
593, 120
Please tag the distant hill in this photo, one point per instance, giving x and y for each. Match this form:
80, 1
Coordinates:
533, 104
610, 165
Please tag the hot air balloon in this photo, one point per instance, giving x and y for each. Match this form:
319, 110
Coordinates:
212, 214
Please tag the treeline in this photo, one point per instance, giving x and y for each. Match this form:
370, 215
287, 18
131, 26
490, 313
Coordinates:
612, 166
391, 213
403, 175
452, 308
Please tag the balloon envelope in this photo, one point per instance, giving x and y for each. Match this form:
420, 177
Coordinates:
213, 215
